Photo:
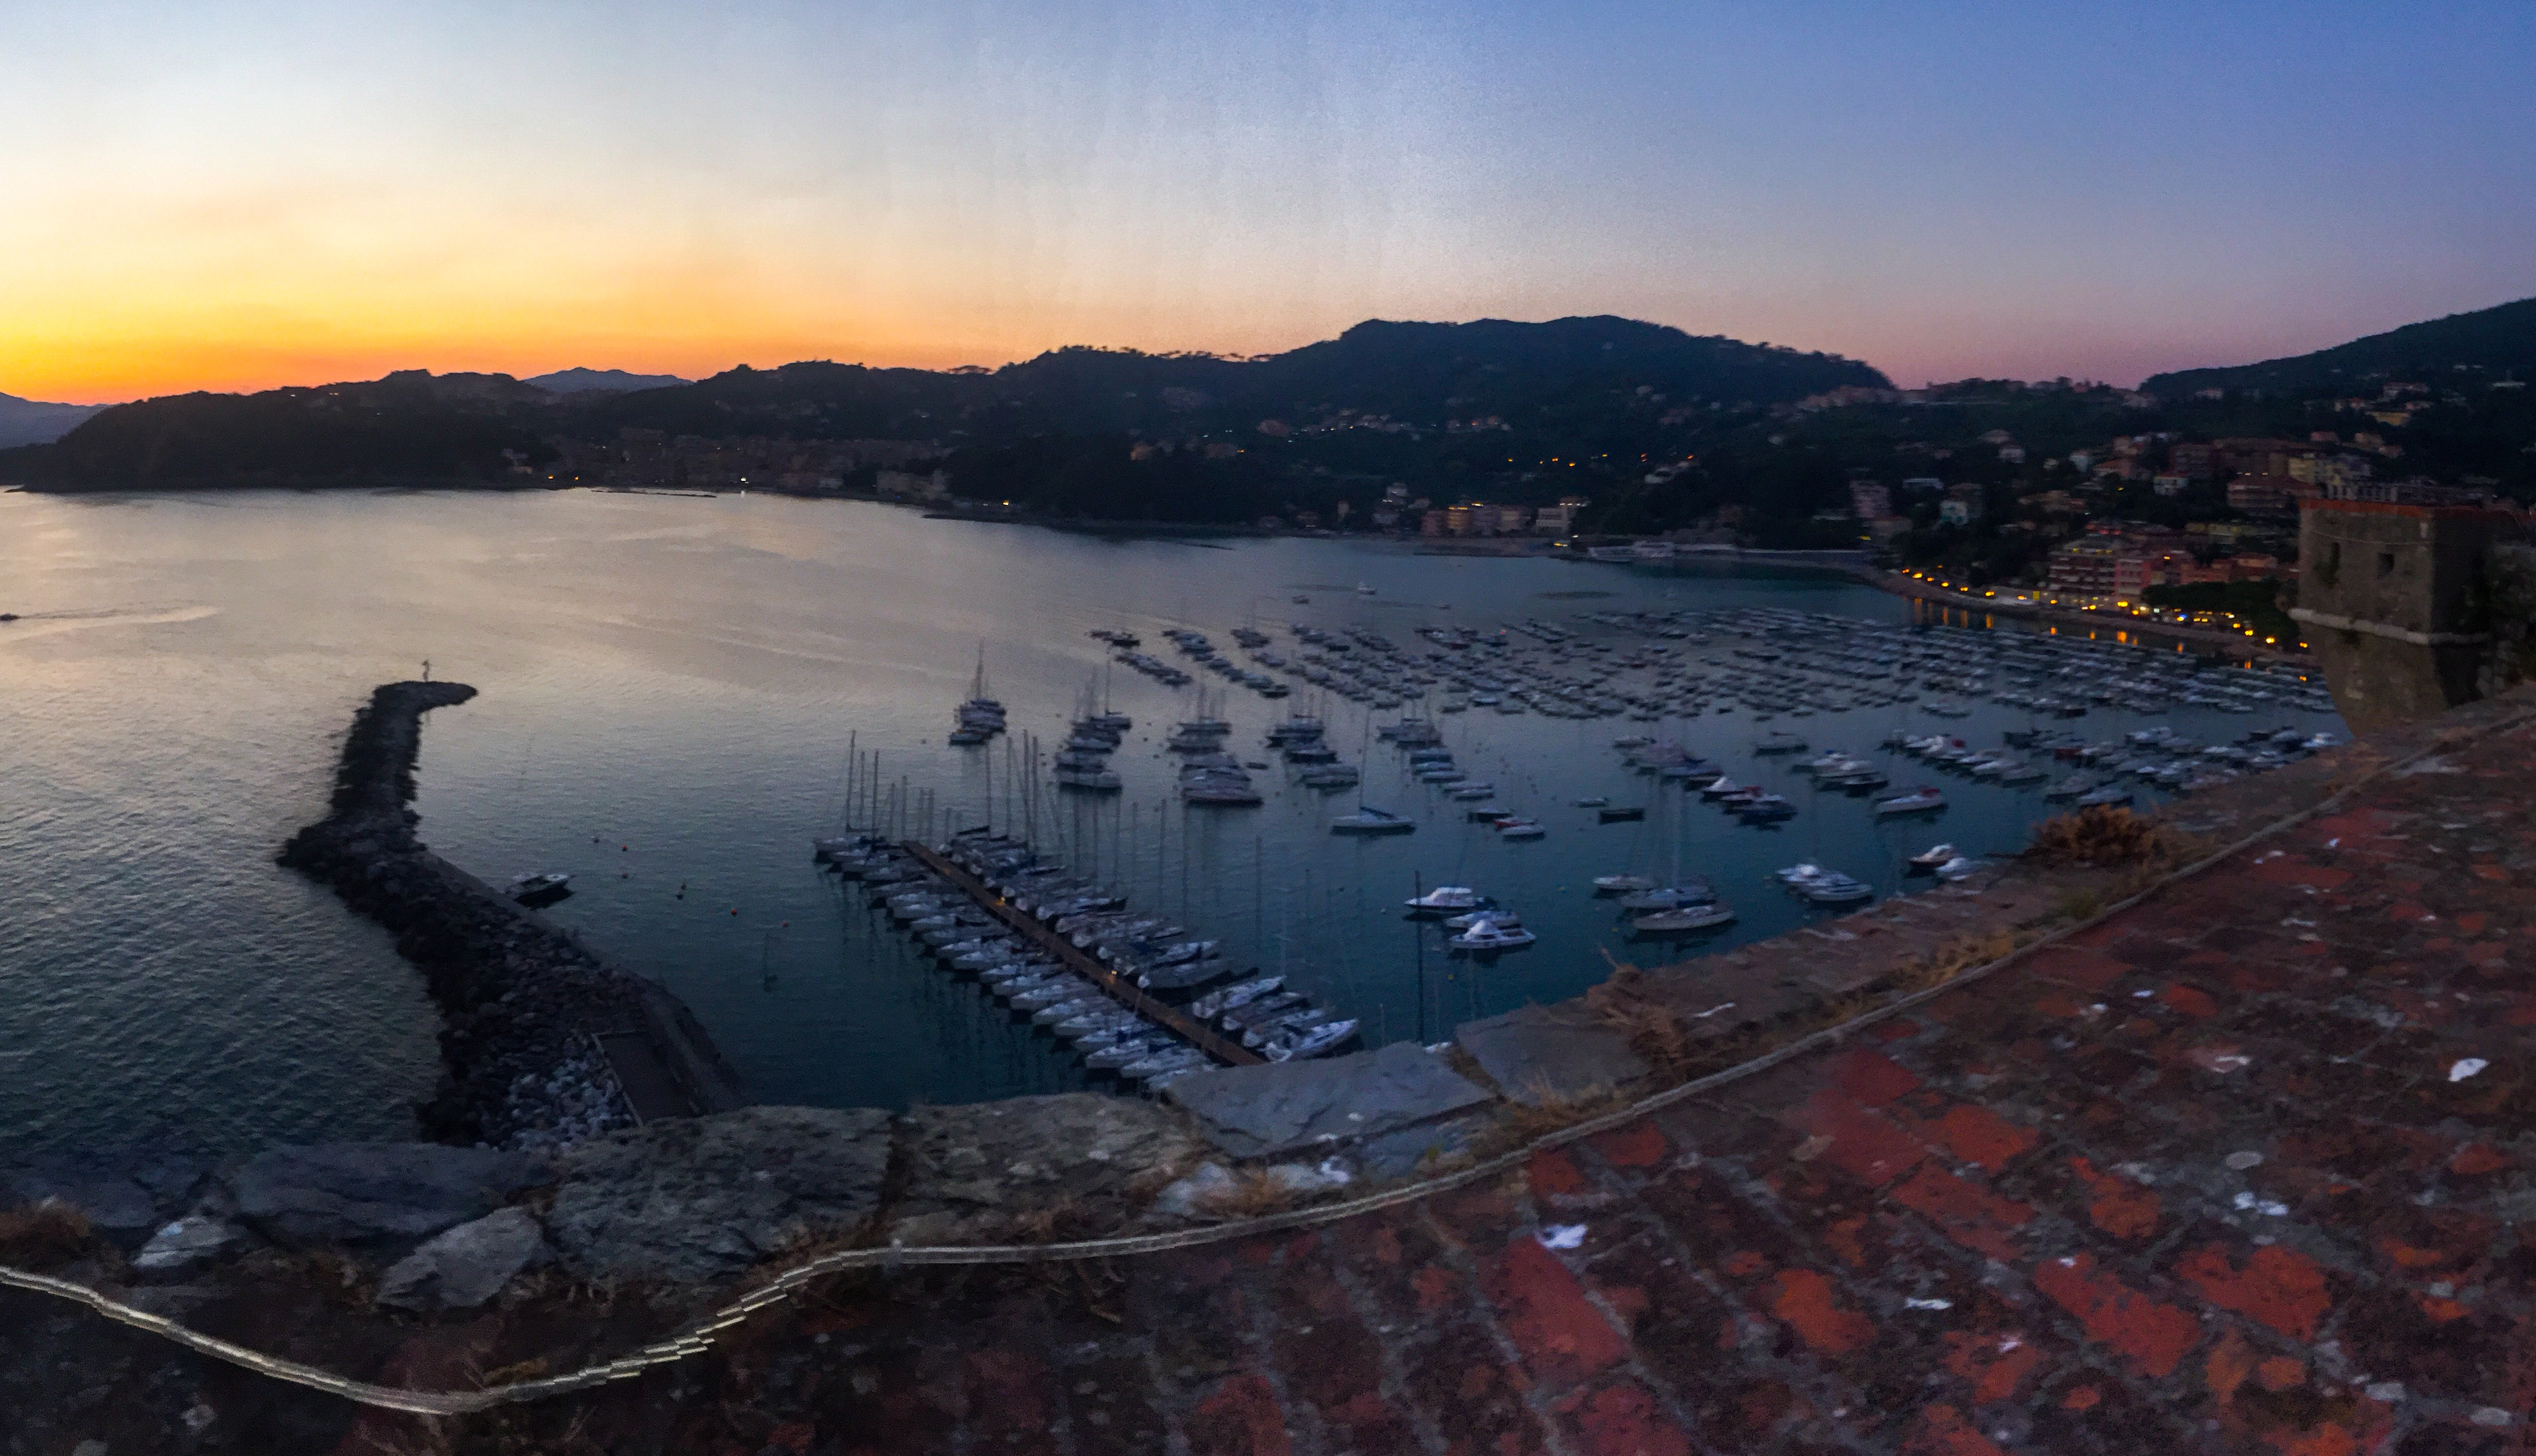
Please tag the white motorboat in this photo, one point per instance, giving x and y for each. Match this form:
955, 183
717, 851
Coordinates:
1216, 1003
1506, 918
533, 886
1617, 884
1447, 897
1959, 867
1326, 1037
1928, 859
1520, 829
1488, 934
1836, 889
1917, 802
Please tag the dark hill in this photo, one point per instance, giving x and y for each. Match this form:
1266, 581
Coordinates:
410, 426
35, 423
1494, 366
1425, 373
577, 381
2497, 342
1569, 385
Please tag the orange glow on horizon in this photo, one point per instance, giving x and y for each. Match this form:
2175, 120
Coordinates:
101, 371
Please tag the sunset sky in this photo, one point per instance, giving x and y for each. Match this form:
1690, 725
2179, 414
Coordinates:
243, 195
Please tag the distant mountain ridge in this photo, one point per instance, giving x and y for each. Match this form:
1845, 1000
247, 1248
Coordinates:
35, 423
1565, 386
578, 381
1424, 372
2499, 341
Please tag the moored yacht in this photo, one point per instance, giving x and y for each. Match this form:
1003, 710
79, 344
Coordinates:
547, 885
1685, 918
1370, 820
1488, 933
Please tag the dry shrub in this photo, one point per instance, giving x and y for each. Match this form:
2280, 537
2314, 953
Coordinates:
1149, 1182
1952, 959
519, 1372
1518, 1123
343, 1279
1253, 1194
1656, 1031
49, 1237
2103, 835
809, 1245
1069, 1222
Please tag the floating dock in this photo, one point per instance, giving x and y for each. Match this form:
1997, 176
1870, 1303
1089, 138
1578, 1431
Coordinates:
1118, 987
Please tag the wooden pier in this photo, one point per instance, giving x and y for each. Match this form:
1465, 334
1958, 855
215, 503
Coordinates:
1072, 957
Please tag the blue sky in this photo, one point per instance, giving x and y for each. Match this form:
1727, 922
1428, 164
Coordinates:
250, 194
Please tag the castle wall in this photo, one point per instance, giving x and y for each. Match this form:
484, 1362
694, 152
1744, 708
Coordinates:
2393, 598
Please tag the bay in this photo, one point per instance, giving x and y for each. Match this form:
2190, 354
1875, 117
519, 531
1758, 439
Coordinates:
670, 686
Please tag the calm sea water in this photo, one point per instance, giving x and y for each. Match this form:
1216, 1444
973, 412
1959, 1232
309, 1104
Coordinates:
670, 686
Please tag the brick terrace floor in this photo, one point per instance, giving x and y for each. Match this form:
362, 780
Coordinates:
2239, 1170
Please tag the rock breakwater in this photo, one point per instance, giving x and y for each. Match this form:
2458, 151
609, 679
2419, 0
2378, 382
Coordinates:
523, 1004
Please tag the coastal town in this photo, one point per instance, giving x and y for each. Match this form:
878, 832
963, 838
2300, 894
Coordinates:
2179, 529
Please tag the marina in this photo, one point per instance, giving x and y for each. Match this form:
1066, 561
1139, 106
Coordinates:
1856, 736
672, 760
1122, 991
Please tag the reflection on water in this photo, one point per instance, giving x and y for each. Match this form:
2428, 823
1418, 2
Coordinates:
674, 690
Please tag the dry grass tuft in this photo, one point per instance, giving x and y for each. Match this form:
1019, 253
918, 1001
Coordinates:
1952, 959
50, 1236
1656, 1031
1253, 1194
1519, 1124
2103, 835
342, 1279
515, 1373
1069, 1222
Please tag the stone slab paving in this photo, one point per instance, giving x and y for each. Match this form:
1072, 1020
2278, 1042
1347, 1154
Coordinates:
1286, 1109
1540, 1054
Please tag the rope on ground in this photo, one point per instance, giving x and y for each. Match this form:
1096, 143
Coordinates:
892, 1258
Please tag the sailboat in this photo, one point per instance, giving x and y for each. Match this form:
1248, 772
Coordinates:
981, 717
1083, 763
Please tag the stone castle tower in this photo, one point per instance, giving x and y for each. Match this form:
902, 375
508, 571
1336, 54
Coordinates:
2405, 593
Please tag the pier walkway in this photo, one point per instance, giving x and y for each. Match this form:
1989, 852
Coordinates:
1071, 956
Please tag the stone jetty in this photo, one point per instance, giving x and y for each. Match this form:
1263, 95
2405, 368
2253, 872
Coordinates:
542, 1044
